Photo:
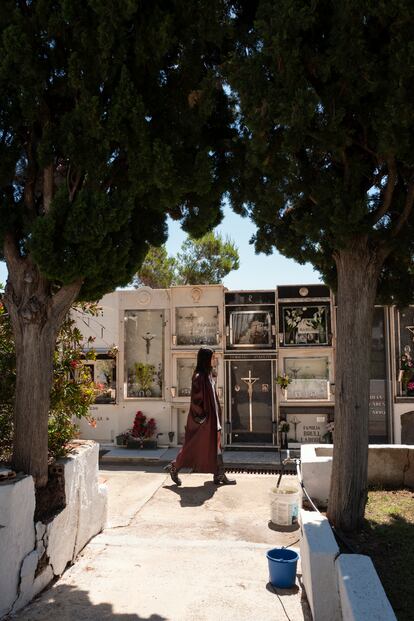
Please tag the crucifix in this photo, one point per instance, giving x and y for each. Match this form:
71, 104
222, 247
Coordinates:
191, 317
250, 381
148, 338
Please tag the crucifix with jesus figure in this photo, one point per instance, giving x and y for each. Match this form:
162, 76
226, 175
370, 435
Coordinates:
250, 381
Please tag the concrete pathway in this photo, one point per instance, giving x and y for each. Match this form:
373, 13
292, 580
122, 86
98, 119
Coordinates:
195, 553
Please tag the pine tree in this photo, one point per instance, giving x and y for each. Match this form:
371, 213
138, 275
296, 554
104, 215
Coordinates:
157, 271
203, 261
206, 261
325, 170
110, 118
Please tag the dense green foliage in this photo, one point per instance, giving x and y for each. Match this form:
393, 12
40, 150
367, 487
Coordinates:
204, 261
73, 391
158, 270
327, 130
111, 116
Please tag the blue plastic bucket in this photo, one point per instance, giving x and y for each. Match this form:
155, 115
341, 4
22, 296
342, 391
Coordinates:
282, 567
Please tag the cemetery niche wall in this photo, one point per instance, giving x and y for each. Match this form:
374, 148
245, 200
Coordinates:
306, 357
378, 421
311, 426
196, 320
103, 373
250, 320
250, 355
196, 326
404, 335
251, 401
144, 345
258, 337
304, 316
309, 378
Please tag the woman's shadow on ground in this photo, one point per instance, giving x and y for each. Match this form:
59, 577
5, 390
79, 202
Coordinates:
194, 496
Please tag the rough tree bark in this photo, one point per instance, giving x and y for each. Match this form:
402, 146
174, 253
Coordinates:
36, 314
358, 269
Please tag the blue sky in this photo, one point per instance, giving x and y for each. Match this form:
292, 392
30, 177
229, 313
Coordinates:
256, 271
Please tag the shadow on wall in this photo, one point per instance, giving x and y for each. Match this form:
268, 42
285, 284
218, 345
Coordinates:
68, 603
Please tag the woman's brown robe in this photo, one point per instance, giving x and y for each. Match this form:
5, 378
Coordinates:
199, 451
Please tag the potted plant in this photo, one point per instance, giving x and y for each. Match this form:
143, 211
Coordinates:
283, 381
144, 374
327, 437
121, 439
284, 429
142, 433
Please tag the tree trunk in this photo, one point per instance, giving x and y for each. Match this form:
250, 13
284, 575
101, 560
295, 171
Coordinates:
358, 270
36, 315
34, 375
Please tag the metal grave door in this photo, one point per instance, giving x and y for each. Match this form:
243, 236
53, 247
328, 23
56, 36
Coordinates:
250, 393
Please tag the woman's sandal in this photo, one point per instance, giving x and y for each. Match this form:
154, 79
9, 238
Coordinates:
222, 479
172, 470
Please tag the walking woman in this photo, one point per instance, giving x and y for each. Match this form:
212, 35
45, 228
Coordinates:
202, 443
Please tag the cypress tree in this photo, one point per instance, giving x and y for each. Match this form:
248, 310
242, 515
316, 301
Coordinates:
325, 170
111, 117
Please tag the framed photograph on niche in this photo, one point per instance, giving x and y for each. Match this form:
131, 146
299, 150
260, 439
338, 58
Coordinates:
305, 325
251, 328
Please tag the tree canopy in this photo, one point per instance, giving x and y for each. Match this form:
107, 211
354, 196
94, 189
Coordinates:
111, 117
104, 130
325, 169
204, 261
327, 130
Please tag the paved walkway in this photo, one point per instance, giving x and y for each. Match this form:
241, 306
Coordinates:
195, 553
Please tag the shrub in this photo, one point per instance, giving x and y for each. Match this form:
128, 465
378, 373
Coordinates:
72, 393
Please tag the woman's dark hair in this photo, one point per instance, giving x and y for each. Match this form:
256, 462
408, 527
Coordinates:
204, 360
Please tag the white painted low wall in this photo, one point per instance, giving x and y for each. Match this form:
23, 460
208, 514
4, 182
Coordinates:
361, 593
338, 587
23, 543
389, 465
318, 551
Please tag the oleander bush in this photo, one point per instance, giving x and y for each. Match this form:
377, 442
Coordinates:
73, 390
